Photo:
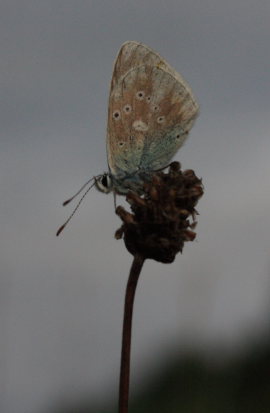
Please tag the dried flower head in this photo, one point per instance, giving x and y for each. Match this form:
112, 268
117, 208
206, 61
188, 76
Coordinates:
159, 223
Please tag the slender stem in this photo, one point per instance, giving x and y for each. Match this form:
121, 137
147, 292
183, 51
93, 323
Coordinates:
126, 335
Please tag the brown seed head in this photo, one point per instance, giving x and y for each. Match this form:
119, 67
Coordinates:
158, 225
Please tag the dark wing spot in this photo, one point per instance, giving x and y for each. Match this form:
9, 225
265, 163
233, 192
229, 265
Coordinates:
155, 108
127, 108
140, 95
116, 114
161, 119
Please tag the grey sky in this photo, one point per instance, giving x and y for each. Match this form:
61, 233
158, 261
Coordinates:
61, 299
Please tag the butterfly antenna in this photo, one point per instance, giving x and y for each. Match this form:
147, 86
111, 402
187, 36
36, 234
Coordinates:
77, 206
77, 193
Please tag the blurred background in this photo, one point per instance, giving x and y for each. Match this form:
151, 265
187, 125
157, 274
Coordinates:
201, 325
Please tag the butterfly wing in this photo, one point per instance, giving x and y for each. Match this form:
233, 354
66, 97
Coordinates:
151, 110
130, 55
134, 54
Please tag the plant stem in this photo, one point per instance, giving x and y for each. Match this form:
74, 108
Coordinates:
126, 335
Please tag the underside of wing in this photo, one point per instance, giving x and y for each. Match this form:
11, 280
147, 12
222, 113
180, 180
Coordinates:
151, 110
134, 54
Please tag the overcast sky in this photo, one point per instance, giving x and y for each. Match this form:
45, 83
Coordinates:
61, 298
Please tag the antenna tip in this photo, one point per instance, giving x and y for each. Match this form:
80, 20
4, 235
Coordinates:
66, 202
60, 230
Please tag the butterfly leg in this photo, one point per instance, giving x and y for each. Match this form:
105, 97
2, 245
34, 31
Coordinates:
162, 169
114, 199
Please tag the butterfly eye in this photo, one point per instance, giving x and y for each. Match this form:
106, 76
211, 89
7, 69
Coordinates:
160, 119
127, 109
104, 183
116, 114
140, 95
121, 144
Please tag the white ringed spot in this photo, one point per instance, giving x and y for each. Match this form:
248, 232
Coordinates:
116, 115
155, 108
127, 109
140, 95
161, 119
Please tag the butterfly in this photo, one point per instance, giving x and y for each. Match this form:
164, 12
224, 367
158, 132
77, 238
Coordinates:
151, 111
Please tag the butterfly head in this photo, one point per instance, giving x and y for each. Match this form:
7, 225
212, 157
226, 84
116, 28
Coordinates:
104, 183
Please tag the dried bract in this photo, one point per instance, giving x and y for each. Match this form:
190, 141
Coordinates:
163, 218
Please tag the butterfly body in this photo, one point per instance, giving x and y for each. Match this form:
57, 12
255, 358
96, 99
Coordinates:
122, 183
151, 110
